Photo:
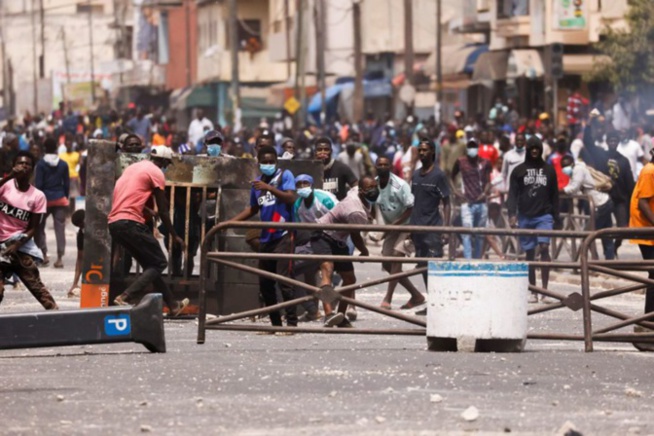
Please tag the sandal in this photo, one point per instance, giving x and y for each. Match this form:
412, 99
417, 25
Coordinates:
386, 305
410, 305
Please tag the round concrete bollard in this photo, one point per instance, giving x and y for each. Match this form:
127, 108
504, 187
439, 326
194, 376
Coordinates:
482, 302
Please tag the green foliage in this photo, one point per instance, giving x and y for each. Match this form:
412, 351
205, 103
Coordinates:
631, 51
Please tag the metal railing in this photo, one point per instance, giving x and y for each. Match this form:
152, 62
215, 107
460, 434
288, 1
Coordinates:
574, 301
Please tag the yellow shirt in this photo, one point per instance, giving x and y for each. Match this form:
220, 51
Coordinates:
72, 159
644, 189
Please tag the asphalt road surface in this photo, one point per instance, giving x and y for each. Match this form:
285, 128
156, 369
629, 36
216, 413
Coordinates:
243, 383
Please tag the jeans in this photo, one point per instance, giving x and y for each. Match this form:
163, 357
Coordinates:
603, 221
648, 254
137, 239
59, 216
284, 268
473, 215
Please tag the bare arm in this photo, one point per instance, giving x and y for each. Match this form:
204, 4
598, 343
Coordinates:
246, 214
164, 215
643, 206
405, 216
358, 242
33, 224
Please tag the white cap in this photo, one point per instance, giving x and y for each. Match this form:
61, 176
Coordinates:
162, 152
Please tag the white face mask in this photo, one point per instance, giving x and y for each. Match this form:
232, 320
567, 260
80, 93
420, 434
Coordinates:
304, 192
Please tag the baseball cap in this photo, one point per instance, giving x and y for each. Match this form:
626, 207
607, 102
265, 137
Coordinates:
460, 134
214, 137
161, 151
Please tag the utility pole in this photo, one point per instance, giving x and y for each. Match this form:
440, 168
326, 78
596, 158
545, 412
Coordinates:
357, 110
42, 57
6, 94
287, 29
408, 47
318, 18
233, 36
35, 90
300, 88
439, 63
90, 16
64, 44
187, 12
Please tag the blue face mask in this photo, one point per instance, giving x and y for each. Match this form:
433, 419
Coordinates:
567, 170
214, 150
304, 192
473, 152
267, 169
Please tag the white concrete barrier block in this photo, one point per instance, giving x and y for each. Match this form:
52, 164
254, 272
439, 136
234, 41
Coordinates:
481, 300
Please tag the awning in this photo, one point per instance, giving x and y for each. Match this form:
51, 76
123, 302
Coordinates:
582, 63
456, 59
330, 94
490, 66
524, 63
192, 96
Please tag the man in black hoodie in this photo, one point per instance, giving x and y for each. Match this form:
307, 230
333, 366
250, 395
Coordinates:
619, 169
534, 204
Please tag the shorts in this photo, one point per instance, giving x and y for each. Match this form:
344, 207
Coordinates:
543, 222
322, 243
394, 244
428, 244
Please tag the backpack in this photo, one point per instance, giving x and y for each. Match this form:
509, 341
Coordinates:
603, 183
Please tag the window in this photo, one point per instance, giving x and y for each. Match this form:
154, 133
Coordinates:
85, 8
512, 8
249, 35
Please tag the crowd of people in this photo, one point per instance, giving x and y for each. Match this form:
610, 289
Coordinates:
469, 172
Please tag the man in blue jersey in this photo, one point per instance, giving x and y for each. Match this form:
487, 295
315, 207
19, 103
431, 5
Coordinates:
272, 196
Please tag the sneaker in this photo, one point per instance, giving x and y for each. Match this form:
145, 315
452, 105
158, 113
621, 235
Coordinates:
181, 305
421, 312
333, 320
121, 300
351, 313
309, 317
533, 298
345, 324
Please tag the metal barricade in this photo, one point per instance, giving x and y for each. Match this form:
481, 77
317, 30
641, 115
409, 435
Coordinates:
574, 301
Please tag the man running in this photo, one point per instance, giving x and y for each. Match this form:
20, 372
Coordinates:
21, 209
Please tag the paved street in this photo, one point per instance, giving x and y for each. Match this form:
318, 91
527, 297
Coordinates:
243, 383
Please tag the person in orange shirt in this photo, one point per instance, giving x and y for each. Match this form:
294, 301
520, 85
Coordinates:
642, 216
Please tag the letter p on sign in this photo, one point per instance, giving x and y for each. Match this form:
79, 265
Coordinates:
117, 325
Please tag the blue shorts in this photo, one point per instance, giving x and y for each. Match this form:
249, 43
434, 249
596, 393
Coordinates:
543, 222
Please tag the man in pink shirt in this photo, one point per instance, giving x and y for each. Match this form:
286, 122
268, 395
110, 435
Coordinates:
134, 189
21, 209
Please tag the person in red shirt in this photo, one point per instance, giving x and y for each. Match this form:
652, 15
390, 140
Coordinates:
487, 149
561, 149
127, 224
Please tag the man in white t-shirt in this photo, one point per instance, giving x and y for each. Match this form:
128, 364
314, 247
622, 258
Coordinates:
198, 126
395, 204
632, 151
21, 209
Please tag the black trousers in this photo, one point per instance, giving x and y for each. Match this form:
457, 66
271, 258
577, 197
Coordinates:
137, 239
648, 254
284, 268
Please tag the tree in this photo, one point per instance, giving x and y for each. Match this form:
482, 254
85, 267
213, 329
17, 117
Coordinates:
630, 51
